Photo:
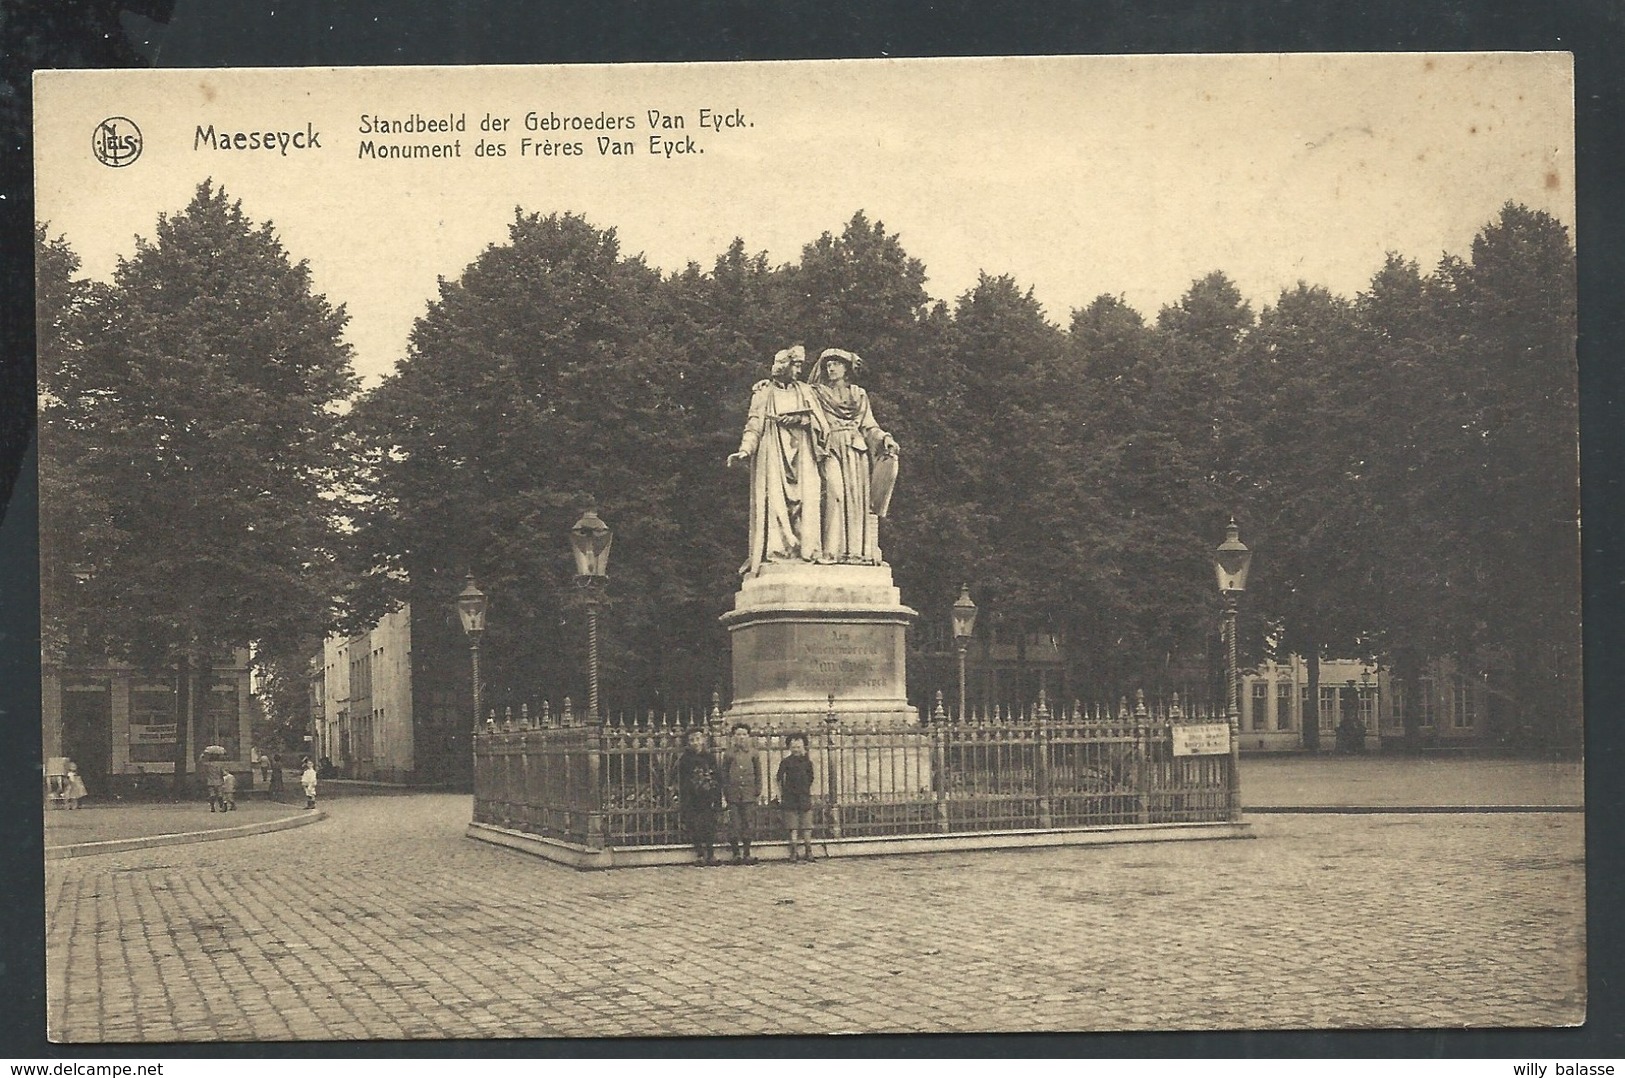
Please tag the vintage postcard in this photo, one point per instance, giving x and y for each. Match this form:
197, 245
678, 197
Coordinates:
991, 544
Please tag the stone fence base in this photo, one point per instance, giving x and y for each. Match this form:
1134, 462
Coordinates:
585, 858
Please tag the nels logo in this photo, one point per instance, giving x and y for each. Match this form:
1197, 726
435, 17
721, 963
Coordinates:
117, 142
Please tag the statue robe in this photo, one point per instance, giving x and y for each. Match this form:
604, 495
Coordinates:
786, 507
851, 529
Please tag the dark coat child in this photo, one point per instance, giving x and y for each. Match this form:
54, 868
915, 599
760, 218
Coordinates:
699, 797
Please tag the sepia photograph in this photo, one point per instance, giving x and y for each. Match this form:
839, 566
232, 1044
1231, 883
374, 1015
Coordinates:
991, 544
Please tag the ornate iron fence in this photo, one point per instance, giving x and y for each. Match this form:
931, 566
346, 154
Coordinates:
615, 784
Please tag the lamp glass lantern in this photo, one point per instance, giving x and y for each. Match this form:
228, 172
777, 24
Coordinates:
1231, 561
590, 541
964, 615
471, 608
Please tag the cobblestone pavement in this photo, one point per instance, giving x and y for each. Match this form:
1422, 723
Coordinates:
385, 921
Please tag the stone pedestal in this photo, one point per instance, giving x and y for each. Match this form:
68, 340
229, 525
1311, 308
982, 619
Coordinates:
801, 632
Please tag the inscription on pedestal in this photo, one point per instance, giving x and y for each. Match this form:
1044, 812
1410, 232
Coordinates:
802, 635
841, 661
817, 659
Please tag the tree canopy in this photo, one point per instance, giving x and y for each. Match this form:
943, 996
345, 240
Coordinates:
192, 442
1402, 461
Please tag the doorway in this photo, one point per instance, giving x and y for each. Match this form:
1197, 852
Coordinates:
87, 730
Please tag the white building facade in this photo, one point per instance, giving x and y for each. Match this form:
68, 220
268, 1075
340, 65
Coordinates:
362, 701
1275, 700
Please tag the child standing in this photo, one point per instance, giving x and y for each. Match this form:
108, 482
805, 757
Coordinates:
795, 778
228, 790
74, 786
307, 779
699, 796
741, 789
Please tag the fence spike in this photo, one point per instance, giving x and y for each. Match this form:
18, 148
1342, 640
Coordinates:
938, 713
1174, 713
1139, 704
1041, 712
568, 716
716, 706
524, 716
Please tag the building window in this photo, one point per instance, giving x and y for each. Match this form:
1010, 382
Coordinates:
1368, 707
1328, 707
1424, 701
1283, 705
1464, 703
1260, 705
221, 718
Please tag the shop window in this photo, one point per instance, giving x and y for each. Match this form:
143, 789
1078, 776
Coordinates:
152, 722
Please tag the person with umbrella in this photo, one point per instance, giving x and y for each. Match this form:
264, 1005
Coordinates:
214, 774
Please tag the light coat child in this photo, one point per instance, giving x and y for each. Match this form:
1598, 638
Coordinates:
74, 786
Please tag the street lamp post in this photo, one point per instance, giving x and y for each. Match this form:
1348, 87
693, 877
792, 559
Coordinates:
964, 626
590, 540
1230, 563
471, 609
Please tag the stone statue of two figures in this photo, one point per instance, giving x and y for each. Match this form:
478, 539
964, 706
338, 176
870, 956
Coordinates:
821, 469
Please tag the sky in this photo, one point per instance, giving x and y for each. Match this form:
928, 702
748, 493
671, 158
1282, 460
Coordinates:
1076, 176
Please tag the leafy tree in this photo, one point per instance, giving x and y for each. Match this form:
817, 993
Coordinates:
1125, 485
1192, 436
1308, 430
284, 692
1000, 345
535, 381
722, 327
1417, 566
72, 509
1512, 312
197, 408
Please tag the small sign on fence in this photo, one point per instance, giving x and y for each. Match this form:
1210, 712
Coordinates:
1201, 739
